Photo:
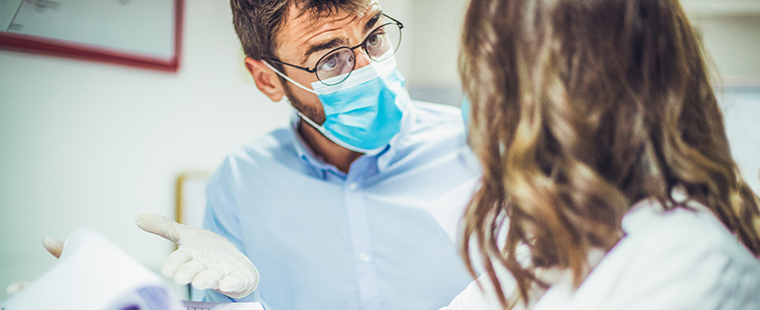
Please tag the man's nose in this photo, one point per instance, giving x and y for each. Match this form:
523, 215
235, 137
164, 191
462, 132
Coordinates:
362, 58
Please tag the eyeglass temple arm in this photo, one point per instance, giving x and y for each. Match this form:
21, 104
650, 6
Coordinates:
400, 25
294, 66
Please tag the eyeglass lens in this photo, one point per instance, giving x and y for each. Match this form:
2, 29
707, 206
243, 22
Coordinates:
380, 45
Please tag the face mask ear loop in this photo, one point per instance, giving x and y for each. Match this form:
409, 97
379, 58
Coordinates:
308, 120
289, 79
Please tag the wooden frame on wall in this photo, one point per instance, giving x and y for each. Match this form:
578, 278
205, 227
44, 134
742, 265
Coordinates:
145, 34
191, 198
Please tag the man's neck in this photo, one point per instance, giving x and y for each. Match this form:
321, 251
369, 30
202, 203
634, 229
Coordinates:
330, 152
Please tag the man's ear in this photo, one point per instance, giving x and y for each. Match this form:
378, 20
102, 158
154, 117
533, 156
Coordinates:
267, 81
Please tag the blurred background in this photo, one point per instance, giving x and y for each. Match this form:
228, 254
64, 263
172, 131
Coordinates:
92, 144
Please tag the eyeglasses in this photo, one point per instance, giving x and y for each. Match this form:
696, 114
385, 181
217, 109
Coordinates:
379, 45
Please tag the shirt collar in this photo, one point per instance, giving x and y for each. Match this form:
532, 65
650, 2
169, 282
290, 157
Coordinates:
397, 143
382, 159
307, 155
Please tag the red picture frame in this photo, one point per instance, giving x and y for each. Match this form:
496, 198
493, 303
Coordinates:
77, 50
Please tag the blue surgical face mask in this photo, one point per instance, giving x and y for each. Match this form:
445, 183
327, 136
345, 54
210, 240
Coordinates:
363, 113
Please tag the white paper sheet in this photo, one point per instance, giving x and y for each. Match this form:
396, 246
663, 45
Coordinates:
94, 274
193, 305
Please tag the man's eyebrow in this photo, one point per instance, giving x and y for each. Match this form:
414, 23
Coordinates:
335, 42
372, 21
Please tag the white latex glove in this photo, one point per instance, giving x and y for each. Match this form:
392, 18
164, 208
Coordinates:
203, 258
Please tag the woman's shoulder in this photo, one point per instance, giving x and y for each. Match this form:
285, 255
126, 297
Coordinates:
682, 258
691, 229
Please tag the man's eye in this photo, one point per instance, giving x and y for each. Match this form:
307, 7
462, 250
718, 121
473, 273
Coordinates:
329, 63
375, 39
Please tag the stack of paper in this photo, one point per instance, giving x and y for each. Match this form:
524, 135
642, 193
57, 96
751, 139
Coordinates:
94, 274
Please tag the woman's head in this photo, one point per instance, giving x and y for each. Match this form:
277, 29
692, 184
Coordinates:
581, 108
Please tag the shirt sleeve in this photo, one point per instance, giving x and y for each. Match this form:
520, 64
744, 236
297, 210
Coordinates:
221, 215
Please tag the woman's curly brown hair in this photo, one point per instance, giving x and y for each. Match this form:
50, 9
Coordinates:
579, 110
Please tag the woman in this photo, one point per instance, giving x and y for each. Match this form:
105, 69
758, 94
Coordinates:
603, 146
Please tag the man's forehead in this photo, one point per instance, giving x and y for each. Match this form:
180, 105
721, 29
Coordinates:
311, 17
302, 24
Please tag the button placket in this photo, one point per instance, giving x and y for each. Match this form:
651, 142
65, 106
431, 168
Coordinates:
360, 235
364, 257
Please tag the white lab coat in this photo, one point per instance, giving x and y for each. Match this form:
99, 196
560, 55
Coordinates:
677, 259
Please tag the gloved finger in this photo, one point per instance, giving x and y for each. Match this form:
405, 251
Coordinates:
187, 272
163, 226
208, 279
53, 246
174, 261
14, 288
231, 284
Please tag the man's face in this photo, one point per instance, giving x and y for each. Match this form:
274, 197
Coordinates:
304, 39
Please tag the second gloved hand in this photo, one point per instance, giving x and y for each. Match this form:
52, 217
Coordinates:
203, 258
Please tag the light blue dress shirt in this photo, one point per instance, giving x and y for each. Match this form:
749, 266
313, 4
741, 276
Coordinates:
370, 239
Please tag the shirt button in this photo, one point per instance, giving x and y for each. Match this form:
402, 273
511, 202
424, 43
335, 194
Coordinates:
353, 186
364, 257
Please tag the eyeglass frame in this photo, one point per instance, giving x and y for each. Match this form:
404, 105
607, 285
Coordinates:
364, 42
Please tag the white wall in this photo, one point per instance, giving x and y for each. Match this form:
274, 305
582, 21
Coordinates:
741, 112
730, 31
90, 144
733, 43
434, 34
401, 10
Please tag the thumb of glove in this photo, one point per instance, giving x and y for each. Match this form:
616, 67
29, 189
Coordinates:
164, 227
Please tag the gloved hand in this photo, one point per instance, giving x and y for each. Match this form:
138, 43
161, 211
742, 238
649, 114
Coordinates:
203, 258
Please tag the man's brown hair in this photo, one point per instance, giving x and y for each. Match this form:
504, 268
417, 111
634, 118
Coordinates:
257, 22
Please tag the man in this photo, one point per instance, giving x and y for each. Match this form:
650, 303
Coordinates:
355, 205
337, 211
